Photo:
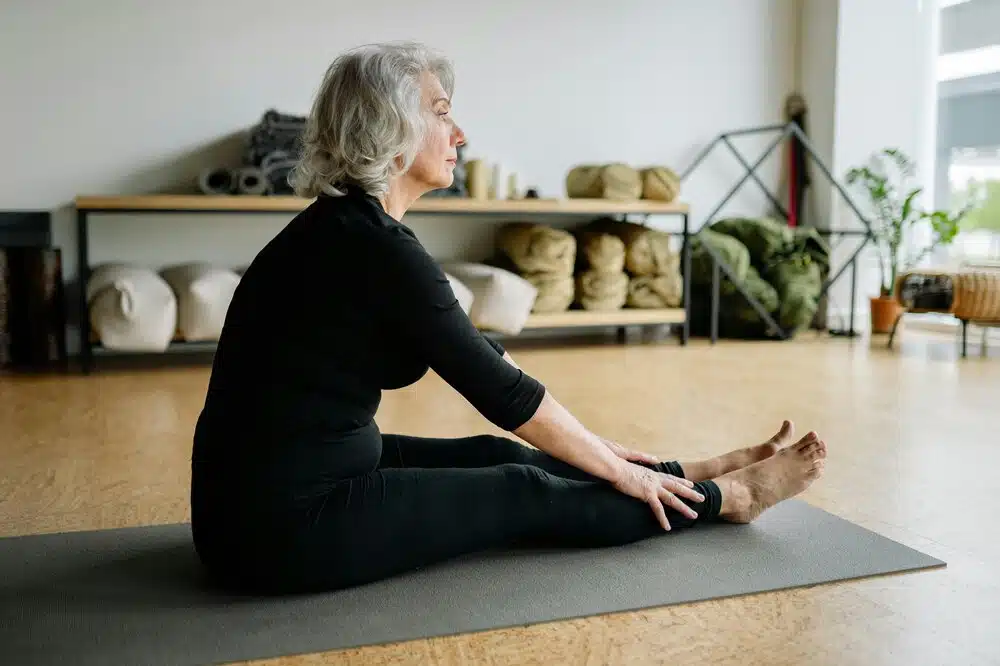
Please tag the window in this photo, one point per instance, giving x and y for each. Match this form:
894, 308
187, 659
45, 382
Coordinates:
975, 173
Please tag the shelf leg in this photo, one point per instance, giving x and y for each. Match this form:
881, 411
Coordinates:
854, 293
715, 301
83, 273
686, 260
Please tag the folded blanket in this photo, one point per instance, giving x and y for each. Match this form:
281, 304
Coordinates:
655, 291
537, 248
608, 181
555, 291
647, 251
660, 184
599, 251
600, 290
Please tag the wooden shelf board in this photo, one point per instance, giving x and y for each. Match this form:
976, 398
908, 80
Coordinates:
291, 204
567, 319
623, 317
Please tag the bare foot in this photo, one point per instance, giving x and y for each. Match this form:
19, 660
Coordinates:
740, 458
748, 492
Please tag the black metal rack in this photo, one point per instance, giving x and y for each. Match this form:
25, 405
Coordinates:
785, 131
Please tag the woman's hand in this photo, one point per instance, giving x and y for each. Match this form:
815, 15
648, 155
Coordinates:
628, 454
657, 489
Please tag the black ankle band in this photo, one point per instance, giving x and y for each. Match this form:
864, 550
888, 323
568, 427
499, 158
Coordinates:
712, 506
673, 468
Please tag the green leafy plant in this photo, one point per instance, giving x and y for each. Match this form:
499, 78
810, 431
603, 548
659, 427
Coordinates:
886, 180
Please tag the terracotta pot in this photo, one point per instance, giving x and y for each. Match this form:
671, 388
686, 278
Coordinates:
884, 310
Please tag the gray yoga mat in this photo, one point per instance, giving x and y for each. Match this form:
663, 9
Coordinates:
133, 596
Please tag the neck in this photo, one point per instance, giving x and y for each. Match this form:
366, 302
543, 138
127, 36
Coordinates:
401, 195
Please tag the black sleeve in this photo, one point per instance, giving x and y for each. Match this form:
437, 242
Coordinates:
496, 345
413, 295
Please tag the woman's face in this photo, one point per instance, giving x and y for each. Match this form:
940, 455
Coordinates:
435, 163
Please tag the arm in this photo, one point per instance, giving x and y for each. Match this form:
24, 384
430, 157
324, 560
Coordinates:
412, 295
554, 430
415, 297
618, 450
557, 432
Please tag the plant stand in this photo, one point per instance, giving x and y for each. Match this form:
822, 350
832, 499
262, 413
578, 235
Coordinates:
784, 131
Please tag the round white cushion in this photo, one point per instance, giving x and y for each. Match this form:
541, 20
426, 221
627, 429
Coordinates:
131, 308
462, 292
203, 294
502, 300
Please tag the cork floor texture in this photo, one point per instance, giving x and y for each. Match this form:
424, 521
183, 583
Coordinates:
914, 445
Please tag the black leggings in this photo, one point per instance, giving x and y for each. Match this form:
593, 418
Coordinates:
433, 499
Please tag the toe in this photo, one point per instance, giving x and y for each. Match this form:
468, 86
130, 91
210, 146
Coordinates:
808, 440
812, 451
784, 433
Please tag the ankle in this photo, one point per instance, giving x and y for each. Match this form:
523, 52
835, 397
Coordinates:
703, 470
735, 496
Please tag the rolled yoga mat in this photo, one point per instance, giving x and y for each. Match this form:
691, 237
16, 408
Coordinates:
135, 595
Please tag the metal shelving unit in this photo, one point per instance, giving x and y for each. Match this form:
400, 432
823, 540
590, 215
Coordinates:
86, 206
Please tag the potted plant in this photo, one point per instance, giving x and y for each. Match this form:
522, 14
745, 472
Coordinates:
886, 182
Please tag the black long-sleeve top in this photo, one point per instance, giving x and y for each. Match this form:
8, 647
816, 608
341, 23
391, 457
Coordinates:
343, 303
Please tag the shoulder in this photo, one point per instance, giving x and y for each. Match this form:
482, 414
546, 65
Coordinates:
356, 210
360, 226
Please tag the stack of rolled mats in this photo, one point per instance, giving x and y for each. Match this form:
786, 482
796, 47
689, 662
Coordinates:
272, 148
544, 256
651, 277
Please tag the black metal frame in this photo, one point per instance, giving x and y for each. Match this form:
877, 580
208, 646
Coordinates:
785, 131
84, 269
25, 228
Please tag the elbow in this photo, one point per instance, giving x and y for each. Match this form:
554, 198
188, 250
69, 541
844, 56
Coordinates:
529, 412
522, 409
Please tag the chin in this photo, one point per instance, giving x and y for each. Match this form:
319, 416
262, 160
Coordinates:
445, 181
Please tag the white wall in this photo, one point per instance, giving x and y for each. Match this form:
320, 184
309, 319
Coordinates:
868, 70
118, 96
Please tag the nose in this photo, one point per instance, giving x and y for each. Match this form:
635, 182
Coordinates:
457, 136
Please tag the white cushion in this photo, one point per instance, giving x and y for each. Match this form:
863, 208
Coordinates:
131, 308
502, 300
203, 293
462, 292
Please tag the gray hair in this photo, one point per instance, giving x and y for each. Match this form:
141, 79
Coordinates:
368, 111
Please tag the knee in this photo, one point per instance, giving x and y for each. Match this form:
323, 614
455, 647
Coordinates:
528, 476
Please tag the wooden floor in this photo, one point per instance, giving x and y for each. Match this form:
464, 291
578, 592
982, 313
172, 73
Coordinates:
914, 443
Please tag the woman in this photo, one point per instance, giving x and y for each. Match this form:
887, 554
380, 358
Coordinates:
293, 485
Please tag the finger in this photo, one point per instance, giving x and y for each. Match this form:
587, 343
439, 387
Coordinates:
684, 491
679, 480
677, 505
638, 456
661, 515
